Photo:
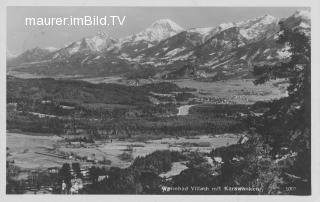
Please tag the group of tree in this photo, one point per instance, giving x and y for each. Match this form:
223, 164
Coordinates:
279, 153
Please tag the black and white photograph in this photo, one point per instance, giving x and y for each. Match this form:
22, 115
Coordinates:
171, 100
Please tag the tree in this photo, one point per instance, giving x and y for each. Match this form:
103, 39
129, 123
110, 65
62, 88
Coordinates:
76, 169
288, 121
65, 175
293, 112
93, 174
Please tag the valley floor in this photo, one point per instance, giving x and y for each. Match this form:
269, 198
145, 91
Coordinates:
29, 152
190, 117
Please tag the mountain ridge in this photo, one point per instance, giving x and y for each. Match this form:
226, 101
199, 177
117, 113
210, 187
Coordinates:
166, 46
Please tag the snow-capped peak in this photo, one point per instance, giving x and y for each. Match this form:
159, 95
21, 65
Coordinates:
51, 49
225, 26
36, 50
262, 20
252, 29
300, 20
305, 14
202, 30
157, 31
166, 24
10, 54
97, 42
101, 34
268, 19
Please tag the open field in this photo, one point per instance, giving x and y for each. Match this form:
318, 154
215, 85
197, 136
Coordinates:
239, 91
110, 79
25, 75
22, 148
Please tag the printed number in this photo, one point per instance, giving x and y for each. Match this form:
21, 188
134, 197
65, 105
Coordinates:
290, 188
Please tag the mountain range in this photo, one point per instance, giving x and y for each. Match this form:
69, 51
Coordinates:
166, 50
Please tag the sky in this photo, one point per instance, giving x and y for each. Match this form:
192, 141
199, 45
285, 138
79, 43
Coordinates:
21, 37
